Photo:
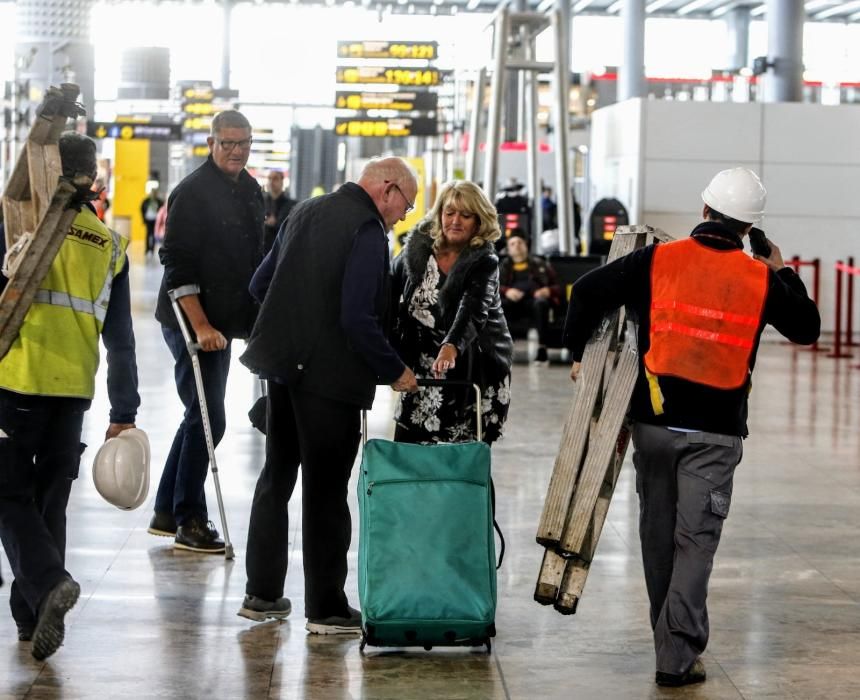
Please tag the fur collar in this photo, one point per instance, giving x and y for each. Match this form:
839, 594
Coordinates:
417, 252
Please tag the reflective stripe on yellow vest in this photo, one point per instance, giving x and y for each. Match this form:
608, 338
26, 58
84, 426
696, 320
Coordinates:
56, 352
706, 309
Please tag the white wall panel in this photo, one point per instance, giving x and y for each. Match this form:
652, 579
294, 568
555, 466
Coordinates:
723, 132
812, 190
674, 186
808, 133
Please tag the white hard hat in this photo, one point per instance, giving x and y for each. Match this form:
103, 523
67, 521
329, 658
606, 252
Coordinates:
737, 193
121, 469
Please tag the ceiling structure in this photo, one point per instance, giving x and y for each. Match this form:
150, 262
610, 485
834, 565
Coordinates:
816, 10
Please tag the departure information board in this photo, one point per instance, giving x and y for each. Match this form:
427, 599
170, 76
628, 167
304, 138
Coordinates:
401, 101
388, 49
394, 126
392, 75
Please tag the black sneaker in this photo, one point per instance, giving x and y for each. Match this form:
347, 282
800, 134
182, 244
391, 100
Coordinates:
541, 355
335, 624
162, 525
198, 535
258, 609
51, 628
696, 674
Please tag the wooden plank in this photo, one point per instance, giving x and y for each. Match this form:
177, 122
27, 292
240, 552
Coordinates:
45, 170
601, 448
550, 577
37, 258
575, 432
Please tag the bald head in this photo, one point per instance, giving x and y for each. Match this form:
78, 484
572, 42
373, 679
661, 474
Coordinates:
392, 185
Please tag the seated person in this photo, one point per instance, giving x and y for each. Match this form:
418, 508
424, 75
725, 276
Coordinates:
529, 288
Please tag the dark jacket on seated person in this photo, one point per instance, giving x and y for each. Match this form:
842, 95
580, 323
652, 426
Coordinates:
536, 273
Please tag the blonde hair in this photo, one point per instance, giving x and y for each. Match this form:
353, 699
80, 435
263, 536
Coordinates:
470, 198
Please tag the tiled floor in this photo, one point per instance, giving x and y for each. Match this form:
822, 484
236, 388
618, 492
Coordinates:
785, 593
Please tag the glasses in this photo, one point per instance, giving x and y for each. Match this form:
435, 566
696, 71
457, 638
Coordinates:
409, 205
243, 145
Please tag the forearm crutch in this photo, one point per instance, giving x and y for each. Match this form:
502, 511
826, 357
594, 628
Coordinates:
193, 346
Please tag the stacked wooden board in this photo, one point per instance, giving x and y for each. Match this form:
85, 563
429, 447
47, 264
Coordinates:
36, 209
593, 444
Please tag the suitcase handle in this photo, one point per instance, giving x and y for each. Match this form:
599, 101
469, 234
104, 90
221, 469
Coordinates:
439, 382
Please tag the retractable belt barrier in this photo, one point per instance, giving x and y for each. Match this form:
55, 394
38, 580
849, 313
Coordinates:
843, 271
796, 263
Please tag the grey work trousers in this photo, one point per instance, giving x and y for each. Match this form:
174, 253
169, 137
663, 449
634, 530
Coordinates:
684, 482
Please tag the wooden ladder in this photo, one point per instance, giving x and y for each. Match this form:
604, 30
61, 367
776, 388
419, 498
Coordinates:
36, 208
593, 444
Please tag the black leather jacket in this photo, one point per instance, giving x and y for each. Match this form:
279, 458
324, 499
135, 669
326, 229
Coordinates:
470, 302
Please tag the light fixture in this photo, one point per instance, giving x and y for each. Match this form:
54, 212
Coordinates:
837, 9
581, 5
758, 11
545, 5
692, 6
815, 4
472, 4
614, 7
656, 5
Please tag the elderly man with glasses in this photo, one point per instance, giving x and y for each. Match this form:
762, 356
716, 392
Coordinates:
212, 246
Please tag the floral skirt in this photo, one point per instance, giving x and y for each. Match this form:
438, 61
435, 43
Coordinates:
447, 414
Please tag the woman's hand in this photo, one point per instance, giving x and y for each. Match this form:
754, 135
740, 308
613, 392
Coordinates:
445, 360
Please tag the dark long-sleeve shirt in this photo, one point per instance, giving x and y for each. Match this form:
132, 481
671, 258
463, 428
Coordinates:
627, 281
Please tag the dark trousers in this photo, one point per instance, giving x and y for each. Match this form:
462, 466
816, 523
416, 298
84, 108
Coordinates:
180, 490
534, 311
36, 474
684, 482
150, 236
322, 435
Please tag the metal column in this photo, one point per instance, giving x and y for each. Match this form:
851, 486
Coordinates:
631, 74
785, 48
738, 25
561, 86
497, 94
530, 92
475, 125
226, 34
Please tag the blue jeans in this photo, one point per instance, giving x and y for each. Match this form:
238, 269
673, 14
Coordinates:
180, 490
36, 478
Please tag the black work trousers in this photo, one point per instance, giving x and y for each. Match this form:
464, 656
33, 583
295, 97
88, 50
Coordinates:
322, 436
40, 453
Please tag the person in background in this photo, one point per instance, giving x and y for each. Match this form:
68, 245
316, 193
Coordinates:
149, 212
449, 320
702, 305
529, 288
278, 206
212, 247
47, 382
320, 342
101, 203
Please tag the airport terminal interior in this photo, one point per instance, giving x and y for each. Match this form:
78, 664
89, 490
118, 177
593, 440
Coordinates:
575, 117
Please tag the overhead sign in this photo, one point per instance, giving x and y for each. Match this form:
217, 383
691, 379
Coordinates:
388, 75
388, 49
402, 101
125, 131
394, 126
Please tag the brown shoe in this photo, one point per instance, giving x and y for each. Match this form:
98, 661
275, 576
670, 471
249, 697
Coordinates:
695, 674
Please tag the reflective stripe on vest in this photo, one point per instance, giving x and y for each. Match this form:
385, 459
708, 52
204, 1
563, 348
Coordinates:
706, 310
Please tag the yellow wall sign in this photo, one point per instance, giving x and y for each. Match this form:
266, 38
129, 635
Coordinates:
388, 49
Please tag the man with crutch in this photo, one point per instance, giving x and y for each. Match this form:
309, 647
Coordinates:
212, 246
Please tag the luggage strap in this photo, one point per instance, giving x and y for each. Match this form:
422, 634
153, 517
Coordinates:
496, 525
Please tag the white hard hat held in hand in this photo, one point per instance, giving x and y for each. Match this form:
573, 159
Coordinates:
121, 469
737, 193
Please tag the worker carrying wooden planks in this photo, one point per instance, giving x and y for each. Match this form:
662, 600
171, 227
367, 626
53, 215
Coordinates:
701, 304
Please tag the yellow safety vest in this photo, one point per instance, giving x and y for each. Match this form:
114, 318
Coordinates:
56, 352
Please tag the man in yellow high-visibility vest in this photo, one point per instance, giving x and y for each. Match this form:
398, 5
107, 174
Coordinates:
47, 382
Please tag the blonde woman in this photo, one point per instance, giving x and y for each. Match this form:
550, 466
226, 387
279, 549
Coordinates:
449, 321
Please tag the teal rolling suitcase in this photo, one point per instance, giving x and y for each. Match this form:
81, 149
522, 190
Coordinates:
426, 556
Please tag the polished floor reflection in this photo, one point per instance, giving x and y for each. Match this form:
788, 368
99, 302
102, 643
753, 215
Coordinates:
785, 593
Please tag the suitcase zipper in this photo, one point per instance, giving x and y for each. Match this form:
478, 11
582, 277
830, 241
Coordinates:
371, 485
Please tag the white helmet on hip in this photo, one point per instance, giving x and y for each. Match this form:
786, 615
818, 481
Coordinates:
121, 469
737, 193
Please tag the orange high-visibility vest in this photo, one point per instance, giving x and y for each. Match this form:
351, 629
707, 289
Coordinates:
706, 309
